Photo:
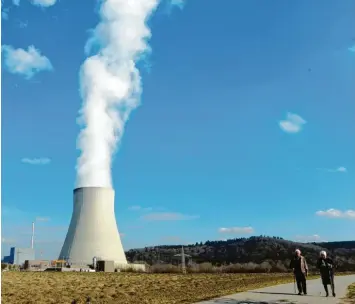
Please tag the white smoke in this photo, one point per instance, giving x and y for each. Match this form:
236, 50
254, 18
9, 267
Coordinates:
110, 85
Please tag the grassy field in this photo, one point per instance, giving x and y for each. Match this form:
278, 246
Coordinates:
127, 288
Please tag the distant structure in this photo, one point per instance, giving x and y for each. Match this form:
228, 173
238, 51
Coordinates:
183, 264
182, 257
33, 234
18, 256
93, 230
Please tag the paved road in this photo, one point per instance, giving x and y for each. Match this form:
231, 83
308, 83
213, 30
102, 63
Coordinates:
285, 294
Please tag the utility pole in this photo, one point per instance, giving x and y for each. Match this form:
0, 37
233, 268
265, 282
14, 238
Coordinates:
33, 234
183, 265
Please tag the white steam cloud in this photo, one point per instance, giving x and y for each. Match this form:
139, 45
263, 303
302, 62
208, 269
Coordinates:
110, 85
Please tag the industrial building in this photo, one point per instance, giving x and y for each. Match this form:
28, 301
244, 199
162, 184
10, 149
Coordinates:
93, 231
18, 256
37, 265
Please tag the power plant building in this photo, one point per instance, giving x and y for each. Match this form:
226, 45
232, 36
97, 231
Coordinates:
93, 231
18, 256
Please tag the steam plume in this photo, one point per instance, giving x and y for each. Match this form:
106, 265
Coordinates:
110, 85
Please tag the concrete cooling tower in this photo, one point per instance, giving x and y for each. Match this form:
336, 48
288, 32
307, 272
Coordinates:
93, 230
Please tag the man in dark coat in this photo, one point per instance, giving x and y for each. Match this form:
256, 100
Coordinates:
326, 268
300, 269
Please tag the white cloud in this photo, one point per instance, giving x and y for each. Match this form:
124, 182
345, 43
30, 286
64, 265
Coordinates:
308, 238
26, 63
168, 216
139, 208
41, 3
36, 161
341, 169
337, 170
236, 230
292, 124
335, 213
44, 3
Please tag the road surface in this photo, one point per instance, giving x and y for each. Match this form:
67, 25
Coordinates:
283, 294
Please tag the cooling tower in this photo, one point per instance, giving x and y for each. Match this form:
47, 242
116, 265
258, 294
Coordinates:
93, 230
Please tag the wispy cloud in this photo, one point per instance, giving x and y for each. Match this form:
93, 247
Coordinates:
308, 238
8, 240
5, 14
352, 49
335, 213
292, 124
173, 240
139, 208
41, 3
169, 5
26, 63
236, 230
4, 11
337, 170
22, 24
44, 3
168, 216
36, 161
178, 3
42, 219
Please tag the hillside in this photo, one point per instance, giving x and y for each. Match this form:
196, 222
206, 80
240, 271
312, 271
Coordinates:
274, 251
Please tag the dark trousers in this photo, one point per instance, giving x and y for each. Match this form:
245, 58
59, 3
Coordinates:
331, 281
301, 282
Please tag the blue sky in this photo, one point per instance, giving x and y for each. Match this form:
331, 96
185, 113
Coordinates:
245, 128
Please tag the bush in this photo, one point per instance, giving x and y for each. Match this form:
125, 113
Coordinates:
250, 267
279, 267
164, 268
131, 269
205, 268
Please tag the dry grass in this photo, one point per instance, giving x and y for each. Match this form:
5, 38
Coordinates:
127, 288
351, 293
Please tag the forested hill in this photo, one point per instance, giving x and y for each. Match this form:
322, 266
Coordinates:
273, 250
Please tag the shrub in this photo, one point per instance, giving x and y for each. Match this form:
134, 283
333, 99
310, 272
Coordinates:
131, 269
164, 268
206, 268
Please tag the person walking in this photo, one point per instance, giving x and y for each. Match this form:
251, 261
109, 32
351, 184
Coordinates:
326, 268
300, 270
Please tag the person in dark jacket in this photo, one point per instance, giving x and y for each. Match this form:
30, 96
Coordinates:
326, 268
300, 269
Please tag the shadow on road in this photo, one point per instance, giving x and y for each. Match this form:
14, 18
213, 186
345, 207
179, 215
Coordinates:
278, 293
232, 301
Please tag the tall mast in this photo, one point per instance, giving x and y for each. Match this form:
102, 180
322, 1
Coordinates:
183, 265
33, 234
